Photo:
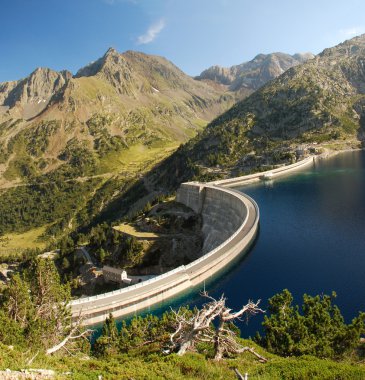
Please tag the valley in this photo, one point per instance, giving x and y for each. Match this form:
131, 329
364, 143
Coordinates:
105, 127
96, 221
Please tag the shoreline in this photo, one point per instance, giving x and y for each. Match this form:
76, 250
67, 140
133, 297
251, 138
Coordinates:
332, 153
264, 175
281, 171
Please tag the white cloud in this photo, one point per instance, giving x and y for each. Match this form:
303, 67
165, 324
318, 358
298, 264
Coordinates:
352, 32
152, 32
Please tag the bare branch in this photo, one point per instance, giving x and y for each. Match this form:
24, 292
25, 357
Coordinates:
72, 335
200, 328
253, 352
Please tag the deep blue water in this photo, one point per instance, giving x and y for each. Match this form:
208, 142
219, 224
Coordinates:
311, 240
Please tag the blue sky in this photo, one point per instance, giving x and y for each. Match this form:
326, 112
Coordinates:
193, 34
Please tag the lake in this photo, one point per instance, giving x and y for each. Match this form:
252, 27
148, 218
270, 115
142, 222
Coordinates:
311, 240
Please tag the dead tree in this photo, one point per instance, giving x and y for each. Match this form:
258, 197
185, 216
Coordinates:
225, 339
72, 333
199, 328
191, 330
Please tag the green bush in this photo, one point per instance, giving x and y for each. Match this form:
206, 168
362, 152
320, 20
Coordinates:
315, 328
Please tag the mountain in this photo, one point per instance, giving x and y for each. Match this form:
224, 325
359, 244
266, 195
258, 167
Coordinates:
76, 150
92, 134
29, 96
249, 76
114, 82
318, 105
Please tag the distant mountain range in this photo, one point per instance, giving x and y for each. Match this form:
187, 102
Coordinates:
116, 102
250, 76
114, 83
134, 75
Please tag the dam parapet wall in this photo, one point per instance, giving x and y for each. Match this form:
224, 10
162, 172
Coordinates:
274, 173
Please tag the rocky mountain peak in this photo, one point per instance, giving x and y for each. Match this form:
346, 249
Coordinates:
218, 74
33, 93
113, 67
106, 62
249, 76
259, 57
303, 57
110, 51
353, 47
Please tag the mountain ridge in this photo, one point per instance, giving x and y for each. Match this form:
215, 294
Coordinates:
318, 106
112, 122
249, 76
75, 143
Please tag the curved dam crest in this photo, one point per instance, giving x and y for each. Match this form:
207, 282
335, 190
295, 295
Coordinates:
230, 224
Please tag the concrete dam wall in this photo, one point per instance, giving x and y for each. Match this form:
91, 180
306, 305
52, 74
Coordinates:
230, 223
222, 213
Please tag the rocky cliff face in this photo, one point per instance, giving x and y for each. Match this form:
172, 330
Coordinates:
132, 79
114, 68
249, 76
31, 95
120, 116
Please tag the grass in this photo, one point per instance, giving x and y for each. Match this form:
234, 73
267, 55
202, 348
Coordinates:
200, 124
137, 158
144, 364
21, 157
131, 231
92, 87
22, 241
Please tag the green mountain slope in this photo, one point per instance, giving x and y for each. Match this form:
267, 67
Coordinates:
72, 148
92, 135
320, 103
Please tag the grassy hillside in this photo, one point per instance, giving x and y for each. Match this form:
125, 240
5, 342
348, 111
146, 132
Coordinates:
140, 364
70, 145
32, 308
86, 154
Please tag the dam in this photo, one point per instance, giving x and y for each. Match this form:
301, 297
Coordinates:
230, 224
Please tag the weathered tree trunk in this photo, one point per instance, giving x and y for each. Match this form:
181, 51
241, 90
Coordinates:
185, 346
199, 328
71, 336
253, 352
218, 347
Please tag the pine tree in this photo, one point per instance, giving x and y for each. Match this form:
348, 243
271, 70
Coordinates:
316, 328
107, 343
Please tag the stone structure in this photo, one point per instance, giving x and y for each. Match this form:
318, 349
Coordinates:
283, 170
222, 213
115, 275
